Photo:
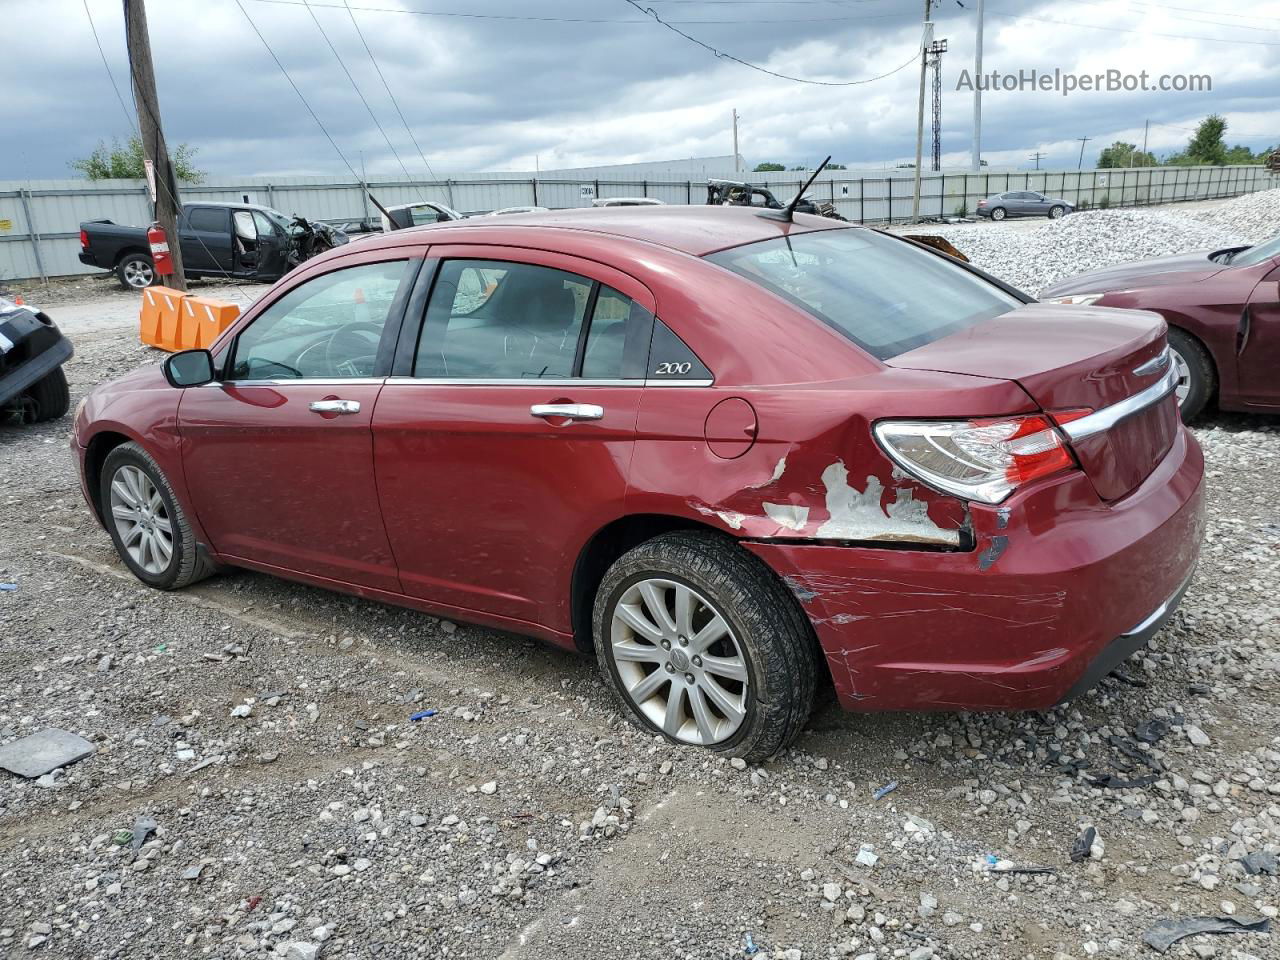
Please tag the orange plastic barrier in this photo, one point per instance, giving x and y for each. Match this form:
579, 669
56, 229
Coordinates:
158, 321
203, 321
172, 320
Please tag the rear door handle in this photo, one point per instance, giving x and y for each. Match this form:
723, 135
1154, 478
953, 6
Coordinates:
570, 411
335, 406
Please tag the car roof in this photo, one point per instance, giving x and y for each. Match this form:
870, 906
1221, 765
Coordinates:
697, 230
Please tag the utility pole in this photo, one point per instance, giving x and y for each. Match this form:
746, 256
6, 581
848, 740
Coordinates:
736, 164
1083, 141
1146, 128
925, 40
164, 184
977, 93
1037, 157
936, 50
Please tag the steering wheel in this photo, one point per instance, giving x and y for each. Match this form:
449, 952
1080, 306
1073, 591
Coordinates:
352, 349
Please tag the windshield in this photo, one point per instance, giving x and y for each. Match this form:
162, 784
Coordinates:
886, 295
1252, 256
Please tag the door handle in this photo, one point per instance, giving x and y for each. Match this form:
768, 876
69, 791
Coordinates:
569, 411
335, 406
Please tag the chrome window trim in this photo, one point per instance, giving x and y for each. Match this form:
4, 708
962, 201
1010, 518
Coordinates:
457, 382
540, 382
1102, 420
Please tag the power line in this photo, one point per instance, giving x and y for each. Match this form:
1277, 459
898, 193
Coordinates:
356, 87
522, 18
387, 87
333, 143
107, 67
1164, 10
782, 76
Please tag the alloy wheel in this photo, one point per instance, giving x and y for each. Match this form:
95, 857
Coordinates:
139, 274
1183, 370
141, 519
1057, 212
678, 661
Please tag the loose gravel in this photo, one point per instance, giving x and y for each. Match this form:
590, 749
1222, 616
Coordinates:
1032, 258
258, 788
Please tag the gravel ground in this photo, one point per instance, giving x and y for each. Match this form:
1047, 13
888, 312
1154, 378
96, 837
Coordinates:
1031, 254
262, 727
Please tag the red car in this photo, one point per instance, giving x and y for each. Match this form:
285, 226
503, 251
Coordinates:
719, 449
1223, 311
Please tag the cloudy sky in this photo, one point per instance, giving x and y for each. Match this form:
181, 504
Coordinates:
492, 84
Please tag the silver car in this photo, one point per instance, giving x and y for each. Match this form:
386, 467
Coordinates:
1023, 203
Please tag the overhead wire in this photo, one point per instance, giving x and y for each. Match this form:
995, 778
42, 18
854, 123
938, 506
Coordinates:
650, 12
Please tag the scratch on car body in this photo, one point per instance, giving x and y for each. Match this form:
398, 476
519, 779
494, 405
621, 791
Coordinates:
778, 469
1002, 517
858, 515
732, 519
989, 556
787, 515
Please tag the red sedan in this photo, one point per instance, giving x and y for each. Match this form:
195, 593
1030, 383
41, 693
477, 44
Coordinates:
1223, 311
717, 449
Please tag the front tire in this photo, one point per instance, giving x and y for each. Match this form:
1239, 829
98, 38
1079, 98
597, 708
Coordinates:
50, 396
998, 213
702, 644
136, 271
1197, 377
1057, 211
147, 524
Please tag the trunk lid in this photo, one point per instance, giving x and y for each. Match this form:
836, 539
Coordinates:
1070, 358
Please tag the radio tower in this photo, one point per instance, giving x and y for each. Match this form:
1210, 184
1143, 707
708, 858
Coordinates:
936, 50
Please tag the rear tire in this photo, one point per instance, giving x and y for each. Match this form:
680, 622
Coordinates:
136, 271
1199, 378
50, 396
766, 640
134, 493
998, 213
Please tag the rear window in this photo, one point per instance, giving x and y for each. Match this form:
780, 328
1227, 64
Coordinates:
884, 294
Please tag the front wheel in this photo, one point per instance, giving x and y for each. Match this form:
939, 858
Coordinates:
147, 524
136, 271
702, 644
998, 213
1057, 211
1197, 378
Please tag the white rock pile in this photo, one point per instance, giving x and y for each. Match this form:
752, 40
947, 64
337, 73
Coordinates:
1033, 258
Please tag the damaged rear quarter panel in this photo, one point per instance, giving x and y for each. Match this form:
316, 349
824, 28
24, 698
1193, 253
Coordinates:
814, 471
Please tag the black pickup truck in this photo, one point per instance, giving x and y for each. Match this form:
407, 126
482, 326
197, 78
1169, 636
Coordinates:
240, 241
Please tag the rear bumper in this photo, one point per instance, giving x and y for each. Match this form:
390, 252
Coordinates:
24, 377
88, 259
1061, 588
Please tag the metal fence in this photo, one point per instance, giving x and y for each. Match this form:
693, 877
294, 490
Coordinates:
40, 220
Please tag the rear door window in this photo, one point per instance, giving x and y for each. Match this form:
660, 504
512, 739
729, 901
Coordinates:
886, 295
501, 320
207, 219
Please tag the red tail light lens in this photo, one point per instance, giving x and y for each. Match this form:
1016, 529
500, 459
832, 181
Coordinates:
84, 240
984, 460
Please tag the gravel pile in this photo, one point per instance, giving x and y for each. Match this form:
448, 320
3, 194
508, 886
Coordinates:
1255, 217
1031, 258
258, 789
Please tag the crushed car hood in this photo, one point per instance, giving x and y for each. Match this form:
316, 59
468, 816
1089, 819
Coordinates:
1180, 268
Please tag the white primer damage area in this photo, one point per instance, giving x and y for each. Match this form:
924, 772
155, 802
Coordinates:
787, 515
778, 470
858, 515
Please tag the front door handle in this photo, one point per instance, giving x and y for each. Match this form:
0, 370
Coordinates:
569, 411
335, 406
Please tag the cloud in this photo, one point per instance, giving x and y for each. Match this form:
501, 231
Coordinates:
491, 94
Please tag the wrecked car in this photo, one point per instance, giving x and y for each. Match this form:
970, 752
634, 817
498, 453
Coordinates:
735, 193
33, 387
721, 451
241, 241
1223, 311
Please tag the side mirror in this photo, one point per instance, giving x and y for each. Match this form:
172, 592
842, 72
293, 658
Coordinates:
190, 368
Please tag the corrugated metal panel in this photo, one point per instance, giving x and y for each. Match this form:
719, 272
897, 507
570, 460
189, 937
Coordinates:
58, 206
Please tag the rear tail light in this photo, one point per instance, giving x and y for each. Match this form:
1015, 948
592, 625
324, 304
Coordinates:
984, 460
84, 240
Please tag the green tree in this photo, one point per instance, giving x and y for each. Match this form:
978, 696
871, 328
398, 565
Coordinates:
125, 162
768, 167
1121, 154
1206, 147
